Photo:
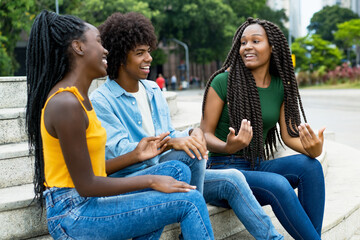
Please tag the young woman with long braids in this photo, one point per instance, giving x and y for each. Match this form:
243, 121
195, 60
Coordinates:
64, 55
255, 89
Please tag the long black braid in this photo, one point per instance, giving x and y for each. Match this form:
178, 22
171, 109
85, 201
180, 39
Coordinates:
243, 98
47, 61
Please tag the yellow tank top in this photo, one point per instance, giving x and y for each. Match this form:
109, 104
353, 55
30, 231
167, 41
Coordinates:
56, 172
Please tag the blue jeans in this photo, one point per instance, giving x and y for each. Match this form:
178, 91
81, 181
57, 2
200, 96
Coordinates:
273, 181
197, 167
228, 188
130, 215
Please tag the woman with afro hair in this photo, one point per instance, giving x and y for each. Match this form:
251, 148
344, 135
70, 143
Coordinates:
243, 101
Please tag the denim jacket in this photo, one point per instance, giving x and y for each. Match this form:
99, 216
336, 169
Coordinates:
120, 116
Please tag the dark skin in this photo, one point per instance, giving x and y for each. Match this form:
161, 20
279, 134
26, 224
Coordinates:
255, 51
89, 58
136, 67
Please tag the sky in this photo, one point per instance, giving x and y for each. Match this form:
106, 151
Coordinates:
308, 8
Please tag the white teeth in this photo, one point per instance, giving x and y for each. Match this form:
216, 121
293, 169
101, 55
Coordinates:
249, 55
104, 61
146, 67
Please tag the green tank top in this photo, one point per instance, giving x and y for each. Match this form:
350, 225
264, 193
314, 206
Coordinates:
271, 99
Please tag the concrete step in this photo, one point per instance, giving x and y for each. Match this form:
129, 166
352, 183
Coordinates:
18, 217
13, 91
16, 166
356, 235
342, 208
12, 125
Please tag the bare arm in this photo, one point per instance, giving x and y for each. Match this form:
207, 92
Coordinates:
307, 143
70, 128
213, 108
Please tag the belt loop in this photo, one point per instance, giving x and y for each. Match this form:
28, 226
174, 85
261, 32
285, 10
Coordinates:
49, 199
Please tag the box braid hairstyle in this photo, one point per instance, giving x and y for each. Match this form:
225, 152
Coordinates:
121, 33
243, 98
48, 59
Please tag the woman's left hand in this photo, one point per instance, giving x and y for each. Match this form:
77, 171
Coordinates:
312, 144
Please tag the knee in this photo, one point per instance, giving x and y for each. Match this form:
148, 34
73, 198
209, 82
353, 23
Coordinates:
279, 186
181, 171
195, 198
310, 166
233, 180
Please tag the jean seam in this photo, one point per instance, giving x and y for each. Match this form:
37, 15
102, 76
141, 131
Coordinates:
280, 207
179, 170
242, 196
139, 209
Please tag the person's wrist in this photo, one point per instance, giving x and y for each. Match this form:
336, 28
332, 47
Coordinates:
190, 131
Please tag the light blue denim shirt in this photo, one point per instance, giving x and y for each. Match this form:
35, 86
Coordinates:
120, 116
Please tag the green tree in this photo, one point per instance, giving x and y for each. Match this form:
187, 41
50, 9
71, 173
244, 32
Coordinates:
97, 11
245, 8
276, 16
15, 17
324, 22
349, 33
5, 59
314, 53
205, 26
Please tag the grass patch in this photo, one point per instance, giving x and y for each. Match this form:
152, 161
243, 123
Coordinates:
346, 85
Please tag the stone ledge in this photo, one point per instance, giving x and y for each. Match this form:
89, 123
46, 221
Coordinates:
14, 150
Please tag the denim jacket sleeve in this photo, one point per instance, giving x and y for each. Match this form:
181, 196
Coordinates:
118, 140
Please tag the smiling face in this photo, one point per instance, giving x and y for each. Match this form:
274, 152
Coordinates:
94, 53
137, 64
255, 49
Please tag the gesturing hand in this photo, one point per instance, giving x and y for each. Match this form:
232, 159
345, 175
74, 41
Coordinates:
150, 147
234, 143
312, 144
195, 142
168, 184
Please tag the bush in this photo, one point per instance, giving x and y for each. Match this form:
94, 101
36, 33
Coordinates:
340, 74
343, 73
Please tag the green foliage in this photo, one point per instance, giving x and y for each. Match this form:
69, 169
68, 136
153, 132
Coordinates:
15, 17
324, 22
314, 53
276, 16
245, 8
349, 32
97, 11
159, 57
206, 26
5, 59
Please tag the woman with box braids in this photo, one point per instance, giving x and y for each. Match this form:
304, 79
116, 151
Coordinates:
64, 55
243, 101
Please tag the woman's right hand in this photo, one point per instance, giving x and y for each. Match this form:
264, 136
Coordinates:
235, 143
168, 184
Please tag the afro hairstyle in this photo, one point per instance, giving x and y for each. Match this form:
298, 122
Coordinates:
121, 33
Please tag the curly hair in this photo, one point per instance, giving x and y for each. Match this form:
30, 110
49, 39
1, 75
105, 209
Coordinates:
121, 33
243, 97
48, 59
